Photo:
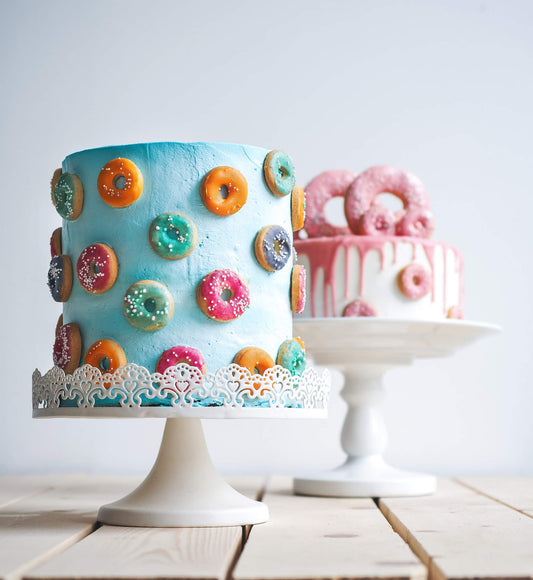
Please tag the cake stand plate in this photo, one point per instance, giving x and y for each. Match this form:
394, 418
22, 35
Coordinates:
364, 349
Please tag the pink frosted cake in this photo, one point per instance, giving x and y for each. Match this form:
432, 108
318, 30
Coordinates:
383, 262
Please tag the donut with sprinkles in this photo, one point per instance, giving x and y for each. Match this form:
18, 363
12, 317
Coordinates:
273, 247
148, 305
60, 278
67, 347
97, 268
223, 295
120, 183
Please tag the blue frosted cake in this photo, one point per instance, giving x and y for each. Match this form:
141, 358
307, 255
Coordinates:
176, 252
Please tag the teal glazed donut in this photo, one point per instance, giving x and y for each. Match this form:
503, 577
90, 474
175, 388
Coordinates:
148, 305
279, 173
291, 355
67, 196
173, 235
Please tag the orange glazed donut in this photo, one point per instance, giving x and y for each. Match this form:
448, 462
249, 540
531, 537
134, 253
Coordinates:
235, 184
256, 360
106, 355
120, 182
297, 208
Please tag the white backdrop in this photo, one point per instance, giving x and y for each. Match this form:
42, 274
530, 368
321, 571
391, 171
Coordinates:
443, 89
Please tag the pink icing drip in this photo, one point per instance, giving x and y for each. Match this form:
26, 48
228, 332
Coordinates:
323, 252
430, 254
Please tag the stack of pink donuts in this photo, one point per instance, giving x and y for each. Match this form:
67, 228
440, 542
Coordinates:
365, 213
382, 262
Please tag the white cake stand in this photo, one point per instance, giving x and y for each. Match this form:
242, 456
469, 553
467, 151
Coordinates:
364, 349
183, 489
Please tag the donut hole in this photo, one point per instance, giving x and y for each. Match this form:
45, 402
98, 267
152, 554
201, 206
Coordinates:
173, 233
257, 370
223, 191
94, 268
104, 364
119, 182
334, 212
390, 201
149, 305
226, 294
417, 280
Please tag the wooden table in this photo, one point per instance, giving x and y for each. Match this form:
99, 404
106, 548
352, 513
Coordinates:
471, 528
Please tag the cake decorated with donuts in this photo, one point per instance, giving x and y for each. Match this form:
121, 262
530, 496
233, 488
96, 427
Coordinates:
175, 253
382, 263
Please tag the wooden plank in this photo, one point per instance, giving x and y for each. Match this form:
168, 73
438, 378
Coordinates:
35, 528
459, 533
137, 553
516, 492
312, 537
16, 487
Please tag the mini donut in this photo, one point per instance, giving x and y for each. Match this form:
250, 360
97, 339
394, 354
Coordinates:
362, 194
414, 281
278, 170
67, 196
148, 305
55, 179
359, 308
291, 356
97, 268
297, 208
456, 312
318, 192
416, 223
173, 235
106, 355
273, 248
377, 221
256, 360
223, 295
120, 182
55, 243
67, 347
59, 323
298, 288
60, 278
226, 179
180, 354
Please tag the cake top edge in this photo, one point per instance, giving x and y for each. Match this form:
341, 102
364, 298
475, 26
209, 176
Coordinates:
191, 146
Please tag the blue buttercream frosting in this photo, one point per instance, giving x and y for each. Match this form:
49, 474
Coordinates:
172, 173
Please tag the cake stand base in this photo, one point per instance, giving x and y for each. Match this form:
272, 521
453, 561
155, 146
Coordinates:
366, 477
365, 349
183, 489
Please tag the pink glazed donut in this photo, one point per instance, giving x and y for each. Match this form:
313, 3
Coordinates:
180, 354
414, 281
359, 308
416, 223
377, 221
223, 295
97, 268
363, 193
318, 192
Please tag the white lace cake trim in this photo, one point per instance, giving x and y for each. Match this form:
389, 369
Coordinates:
180, 387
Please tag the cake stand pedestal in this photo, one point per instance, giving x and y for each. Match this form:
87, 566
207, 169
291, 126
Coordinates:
364, 349
183, 489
